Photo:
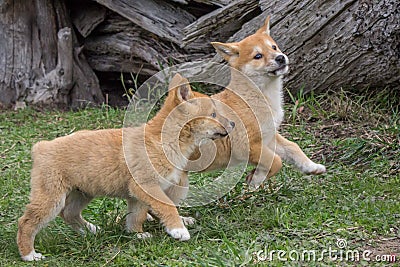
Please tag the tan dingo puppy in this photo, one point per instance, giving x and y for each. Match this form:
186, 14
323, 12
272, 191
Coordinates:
69, 171
254, 99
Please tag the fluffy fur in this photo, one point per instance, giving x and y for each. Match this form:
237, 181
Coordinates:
69, 171
255, 105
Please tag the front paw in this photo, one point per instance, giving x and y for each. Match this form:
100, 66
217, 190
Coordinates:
188, 220
314, 168
33, 256
92, 228
181, 234
144, 235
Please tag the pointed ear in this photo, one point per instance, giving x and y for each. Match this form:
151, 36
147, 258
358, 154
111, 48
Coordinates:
176, 80
184, 92
226, 50
180, 87
265, 28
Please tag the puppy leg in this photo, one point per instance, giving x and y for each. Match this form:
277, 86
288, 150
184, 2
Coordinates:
177, 193
72, 213
267, 164
186, 220
43, 207
137, 212
292, 153
163, 207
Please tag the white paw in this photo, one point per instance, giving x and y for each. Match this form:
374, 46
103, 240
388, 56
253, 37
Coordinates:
188, 220
33, 256
314, 168
92, 228
182, 234
144, 235
149, 217
89, 227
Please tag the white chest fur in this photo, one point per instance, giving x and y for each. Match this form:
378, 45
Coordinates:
271, 87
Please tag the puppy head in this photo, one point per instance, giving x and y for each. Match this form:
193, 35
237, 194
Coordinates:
196, 112
257, 54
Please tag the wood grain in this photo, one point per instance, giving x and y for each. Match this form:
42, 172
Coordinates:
156, 16
37, 65
330, 44
336, 44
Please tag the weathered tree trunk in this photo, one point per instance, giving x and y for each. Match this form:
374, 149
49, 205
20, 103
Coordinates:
119, 45
40, 61
156, 16
333, 44
220, 23
330, 44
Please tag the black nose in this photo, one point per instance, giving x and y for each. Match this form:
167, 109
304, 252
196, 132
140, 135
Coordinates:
232, 124
280, 59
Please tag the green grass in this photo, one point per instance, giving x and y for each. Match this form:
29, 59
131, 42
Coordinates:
357, 200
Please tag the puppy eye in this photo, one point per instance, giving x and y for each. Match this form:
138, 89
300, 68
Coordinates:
214, 115
274, 47
258, 56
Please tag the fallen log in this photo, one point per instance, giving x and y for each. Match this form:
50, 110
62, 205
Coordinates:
119, 45
220, 24
330, 44
335, 44
87, 16
220, 3
156, 16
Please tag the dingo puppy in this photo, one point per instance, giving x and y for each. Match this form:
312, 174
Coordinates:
69, 171
259, 58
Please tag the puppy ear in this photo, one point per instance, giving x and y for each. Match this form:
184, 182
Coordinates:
184, 92
176, 80
226, 50
180, 88
265, 28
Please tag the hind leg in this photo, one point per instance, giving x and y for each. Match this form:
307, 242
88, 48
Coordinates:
74, 204
267, 164
43, 207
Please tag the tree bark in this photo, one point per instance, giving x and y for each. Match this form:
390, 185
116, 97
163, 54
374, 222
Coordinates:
39, 59
156, 16
335, 44
119, 45
86, 16
219, 24
56, 83
330, 44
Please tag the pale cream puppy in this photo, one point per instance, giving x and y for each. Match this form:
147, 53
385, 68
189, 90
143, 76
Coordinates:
69, 171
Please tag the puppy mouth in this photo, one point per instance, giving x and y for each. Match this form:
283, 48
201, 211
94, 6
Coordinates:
279, 71
219, 135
